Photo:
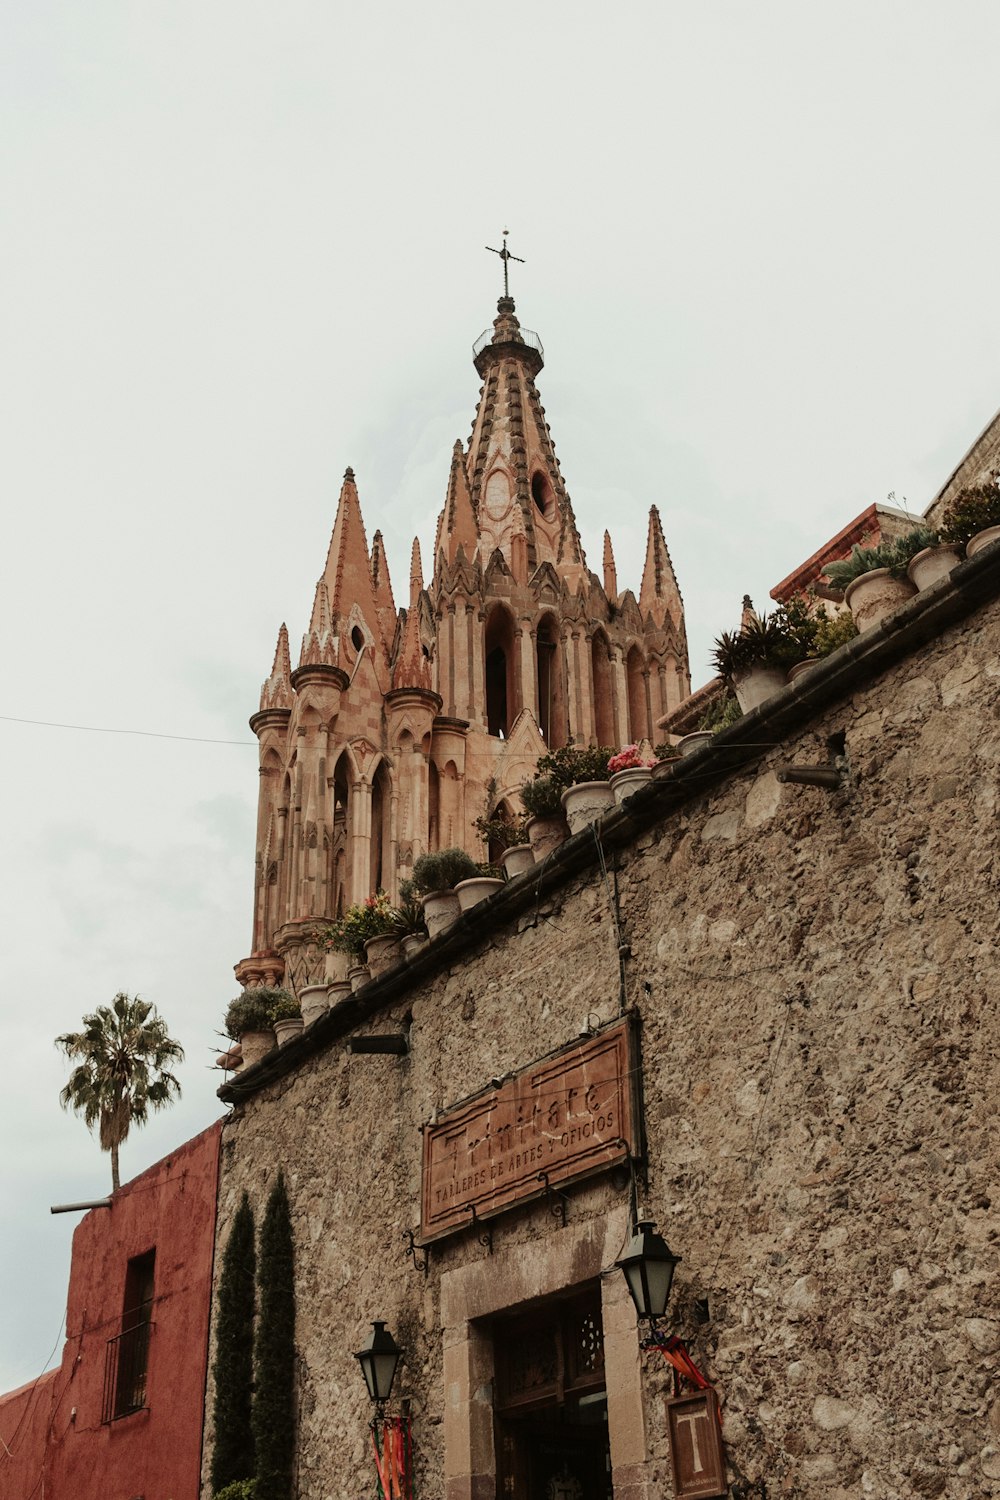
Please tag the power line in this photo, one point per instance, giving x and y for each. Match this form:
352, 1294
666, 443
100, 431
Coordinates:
190, 739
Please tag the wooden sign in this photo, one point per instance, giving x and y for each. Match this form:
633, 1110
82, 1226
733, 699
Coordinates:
699, 1470
565, 1117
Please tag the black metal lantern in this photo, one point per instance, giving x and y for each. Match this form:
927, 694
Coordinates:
649, 1265
378, 1361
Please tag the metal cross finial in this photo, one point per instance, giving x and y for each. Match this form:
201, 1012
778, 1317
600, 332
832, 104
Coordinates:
505, 256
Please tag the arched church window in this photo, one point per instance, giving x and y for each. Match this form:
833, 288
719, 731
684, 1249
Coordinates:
339, 861
433, 807
381, 805
541, 493
501, 693
551, 693
638, 718
604, 706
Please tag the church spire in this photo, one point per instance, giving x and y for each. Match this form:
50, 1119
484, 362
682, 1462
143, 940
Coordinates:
412, 668
276, 692
382, 587
320, 646
459, 527
610, 571
353, 602
659, 595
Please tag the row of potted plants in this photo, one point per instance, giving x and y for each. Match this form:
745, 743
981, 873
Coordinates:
767, 651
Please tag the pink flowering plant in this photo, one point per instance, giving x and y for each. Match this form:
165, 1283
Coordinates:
629, 758
373, 917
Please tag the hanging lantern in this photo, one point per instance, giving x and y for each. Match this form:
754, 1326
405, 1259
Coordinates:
378, 1361
648, 1265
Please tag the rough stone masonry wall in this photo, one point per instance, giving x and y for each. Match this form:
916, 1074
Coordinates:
817, 980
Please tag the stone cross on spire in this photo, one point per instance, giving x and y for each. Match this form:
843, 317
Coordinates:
505, 256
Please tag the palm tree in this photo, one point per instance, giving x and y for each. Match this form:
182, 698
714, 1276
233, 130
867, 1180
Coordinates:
123, 1052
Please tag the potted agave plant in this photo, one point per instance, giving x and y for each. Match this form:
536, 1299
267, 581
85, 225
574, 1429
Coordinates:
248, 1021
972, 520
629, 769
408, 920
874, 582
546, 826
435, 876
755, 659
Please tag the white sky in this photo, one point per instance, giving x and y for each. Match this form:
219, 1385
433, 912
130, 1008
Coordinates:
243, 248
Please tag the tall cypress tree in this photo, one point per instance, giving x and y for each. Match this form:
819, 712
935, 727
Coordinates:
233, 1454
274, 1388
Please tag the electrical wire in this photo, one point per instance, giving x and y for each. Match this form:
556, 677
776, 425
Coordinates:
149, 734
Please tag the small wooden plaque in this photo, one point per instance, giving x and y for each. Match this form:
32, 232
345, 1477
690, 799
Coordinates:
699, 1469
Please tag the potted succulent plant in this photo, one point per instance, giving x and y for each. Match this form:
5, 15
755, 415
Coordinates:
248, 1021
874, 582
286, 1017
547, 827
928, 559
754, 660
972, 520
435, 876
629, 769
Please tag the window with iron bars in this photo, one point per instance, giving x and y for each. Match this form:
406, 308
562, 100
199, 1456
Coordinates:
126, 1359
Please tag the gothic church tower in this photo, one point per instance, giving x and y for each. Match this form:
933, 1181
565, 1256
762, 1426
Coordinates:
396, 730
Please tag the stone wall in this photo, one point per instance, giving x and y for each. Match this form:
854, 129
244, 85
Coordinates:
816, 978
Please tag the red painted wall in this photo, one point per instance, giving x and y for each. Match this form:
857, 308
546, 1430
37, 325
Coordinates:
154, 1453
24, 1421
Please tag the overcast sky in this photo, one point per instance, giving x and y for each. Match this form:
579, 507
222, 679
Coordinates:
243, 247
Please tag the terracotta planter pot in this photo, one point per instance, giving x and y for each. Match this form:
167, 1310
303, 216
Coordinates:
479, 888
412, 944
982, 539
517, 859
624, 783
313, 1000
801, 668
929, 567
358, 974
586, 802
287, 1029
255, 1045
755, 687
876, 595
337, 991
441, 909
692, 743
381, 953
546, 834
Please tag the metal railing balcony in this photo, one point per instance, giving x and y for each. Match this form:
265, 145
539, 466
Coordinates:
528, 336
126, 1361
